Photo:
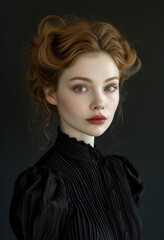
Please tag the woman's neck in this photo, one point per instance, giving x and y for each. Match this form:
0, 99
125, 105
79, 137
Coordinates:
80, 136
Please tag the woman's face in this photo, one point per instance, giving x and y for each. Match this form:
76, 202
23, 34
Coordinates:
90, 87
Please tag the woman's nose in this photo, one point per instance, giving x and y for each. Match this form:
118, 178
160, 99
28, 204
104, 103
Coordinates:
97, 103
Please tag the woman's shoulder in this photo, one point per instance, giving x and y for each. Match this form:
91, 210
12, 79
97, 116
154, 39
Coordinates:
34, 190
124, 163
128, 171
37, 177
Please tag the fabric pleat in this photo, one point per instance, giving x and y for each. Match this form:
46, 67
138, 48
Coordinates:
74, 192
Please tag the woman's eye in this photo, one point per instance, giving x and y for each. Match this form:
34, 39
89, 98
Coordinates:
80, 89
111, 88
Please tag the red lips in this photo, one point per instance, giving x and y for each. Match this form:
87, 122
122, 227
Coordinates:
98, 117
97, 120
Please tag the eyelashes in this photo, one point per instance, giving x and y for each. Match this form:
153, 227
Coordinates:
82, 88
111, 88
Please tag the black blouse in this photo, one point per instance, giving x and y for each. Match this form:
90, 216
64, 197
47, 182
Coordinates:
75, 193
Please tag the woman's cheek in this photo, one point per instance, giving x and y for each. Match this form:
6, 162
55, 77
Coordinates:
115, 100
70, 105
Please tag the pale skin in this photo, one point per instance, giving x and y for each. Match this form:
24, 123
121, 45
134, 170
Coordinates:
89, 87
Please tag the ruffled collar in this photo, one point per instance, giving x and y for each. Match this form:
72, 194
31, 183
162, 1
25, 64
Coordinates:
76, 149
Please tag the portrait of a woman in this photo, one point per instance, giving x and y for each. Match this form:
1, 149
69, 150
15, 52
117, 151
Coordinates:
75, 191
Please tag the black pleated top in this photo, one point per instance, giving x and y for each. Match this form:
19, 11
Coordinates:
75, 193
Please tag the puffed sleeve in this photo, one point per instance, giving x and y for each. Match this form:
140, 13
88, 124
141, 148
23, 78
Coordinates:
133, 179
39, 208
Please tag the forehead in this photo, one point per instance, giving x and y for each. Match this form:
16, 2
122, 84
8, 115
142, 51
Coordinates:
92, 65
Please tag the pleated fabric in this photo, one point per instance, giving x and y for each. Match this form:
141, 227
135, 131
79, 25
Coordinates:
75, 193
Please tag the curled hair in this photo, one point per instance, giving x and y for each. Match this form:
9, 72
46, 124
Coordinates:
58, 45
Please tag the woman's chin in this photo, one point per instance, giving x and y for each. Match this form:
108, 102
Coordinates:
97, 131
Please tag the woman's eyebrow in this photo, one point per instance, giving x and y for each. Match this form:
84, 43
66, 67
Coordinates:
89, 80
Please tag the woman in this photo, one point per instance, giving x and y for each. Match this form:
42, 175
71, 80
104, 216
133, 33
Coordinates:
75, 192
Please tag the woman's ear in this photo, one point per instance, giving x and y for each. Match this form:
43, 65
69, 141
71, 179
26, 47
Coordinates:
50, 95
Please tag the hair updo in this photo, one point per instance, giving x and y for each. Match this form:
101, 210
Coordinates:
58, 45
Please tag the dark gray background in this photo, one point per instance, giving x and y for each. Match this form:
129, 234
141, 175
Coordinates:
140, 136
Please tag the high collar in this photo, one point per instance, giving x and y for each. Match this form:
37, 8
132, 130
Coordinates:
76, 149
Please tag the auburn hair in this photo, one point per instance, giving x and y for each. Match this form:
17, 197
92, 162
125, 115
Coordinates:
59, 43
